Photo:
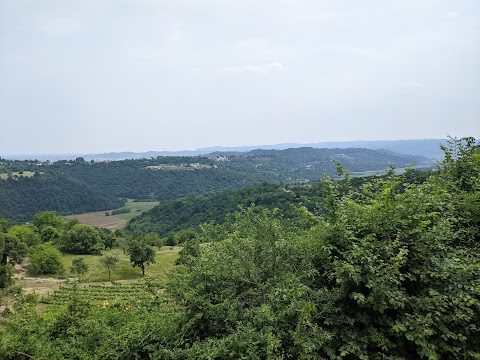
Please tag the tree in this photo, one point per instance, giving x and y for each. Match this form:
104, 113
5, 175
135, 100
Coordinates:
27, 234
46, 259
12, 251
4, 225
47, 218
82, 239
140, 253
108, 238
79, 267
49, 233
153, 239
6, 276
109, 262
191, 250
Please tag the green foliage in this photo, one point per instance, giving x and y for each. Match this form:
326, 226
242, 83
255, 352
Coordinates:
187, 213
191, 250
109, 262
141, 254
6, 275
82, 239
121, 211
51, 191
45, 259
47, 218
14, 250
78, 331
79, 187
27, 234
49, 233
388, 269
4, 225
79, 267
108, 237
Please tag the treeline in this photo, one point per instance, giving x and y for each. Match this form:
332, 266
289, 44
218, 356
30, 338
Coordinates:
389, 270
22, 197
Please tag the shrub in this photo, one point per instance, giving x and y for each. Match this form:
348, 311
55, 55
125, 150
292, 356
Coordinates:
46, 259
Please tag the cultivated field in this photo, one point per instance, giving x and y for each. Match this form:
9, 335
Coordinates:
99, 219
127, 282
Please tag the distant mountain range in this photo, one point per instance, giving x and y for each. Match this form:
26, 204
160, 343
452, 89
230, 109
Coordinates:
425, 147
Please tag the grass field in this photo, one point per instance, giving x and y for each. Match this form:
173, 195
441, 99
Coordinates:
4, 176
136, 208
164, 262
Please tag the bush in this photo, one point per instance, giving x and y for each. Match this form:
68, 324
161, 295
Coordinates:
46, 259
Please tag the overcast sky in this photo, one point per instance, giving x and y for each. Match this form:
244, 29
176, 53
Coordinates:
90, 76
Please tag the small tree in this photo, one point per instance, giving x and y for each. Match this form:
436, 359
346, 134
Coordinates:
140, 253
79, 267
109, 262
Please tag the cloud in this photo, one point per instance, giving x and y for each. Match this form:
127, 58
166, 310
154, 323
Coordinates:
453, 14
263, 69
412, 84
60, 25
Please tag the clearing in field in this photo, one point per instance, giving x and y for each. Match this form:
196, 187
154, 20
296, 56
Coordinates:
118, 221
4, 176
135, 208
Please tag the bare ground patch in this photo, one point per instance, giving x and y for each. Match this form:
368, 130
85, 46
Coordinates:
99, 219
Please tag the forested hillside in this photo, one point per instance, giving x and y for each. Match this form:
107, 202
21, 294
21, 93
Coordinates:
389, 270
70, 187
22, 197
309, 163
185, 213
161, 178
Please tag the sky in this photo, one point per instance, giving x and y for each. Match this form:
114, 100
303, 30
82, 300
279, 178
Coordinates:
92, 76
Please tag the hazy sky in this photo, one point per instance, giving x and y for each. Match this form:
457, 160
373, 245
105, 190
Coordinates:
110, 75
